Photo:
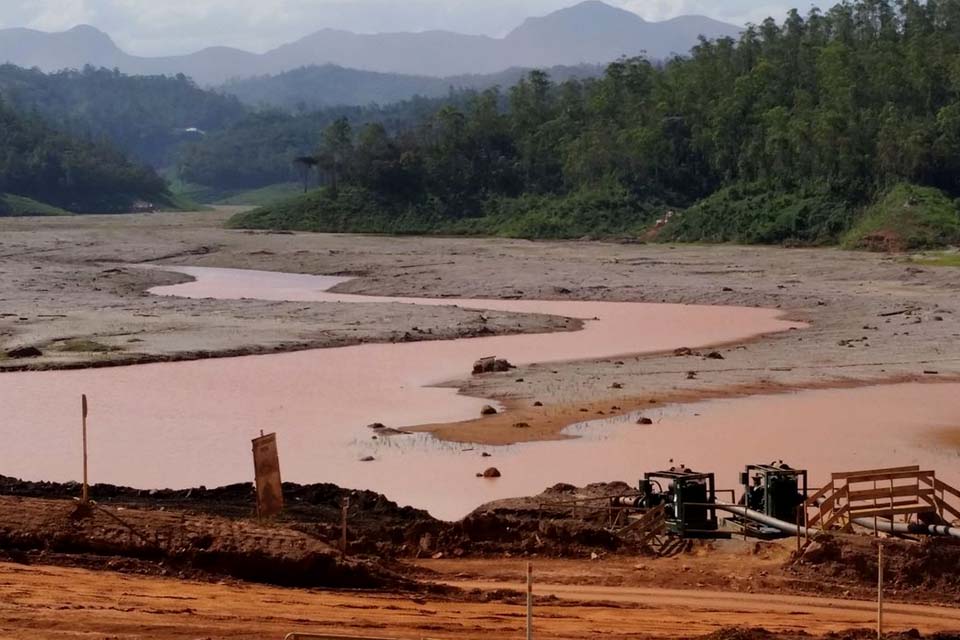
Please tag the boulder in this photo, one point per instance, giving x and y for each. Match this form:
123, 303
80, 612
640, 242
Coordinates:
488, 411
644, 421
492, 472
491, 364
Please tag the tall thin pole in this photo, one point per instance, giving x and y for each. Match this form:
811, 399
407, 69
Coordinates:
879, 590
85, 497
529, 601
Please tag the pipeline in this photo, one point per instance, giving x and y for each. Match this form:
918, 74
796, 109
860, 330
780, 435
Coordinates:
911, 529
763, 518
867, 523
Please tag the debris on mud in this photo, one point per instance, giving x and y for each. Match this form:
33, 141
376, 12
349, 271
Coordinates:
24, 352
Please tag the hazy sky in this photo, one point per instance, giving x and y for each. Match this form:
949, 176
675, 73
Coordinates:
153, 27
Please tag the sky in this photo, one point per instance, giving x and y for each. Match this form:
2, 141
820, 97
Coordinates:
158, 27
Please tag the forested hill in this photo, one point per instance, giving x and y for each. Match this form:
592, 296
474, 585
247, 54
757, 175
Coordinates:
320, 86
795, 132
145, 116
54, 168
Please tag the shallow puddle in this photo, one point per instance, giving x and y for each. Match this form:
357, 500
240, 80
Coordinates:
189, 423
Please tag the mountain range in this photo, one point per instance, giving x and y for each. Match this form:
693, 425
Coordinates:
329, 85
588, 33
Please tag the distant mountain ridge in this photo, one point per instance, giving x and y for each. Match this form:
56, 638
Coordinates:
591, 32
330, 85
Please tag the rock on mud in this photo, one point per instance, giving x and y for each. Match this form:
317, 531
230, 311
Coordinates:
491, 364
488, 411
492, 472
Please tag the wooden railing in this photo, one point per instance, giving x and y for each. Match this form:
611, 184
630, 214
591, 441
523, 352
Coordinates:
906, 492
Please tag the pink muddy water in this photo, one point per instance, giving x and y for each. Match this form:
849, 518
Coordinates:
189, 423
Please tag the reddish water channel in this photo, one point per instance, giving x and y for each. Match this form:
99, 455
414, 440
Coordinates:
186, 424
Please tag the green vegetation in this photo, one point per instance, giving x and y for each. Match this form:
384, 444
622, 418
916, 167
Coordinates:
11, 205
600, 213
45, 165
940, 259
907, 218
784, 136
757, 213
146, 117
263, 196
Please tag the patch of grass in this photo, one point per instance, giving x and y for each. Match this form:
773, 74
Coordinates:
943, 259
265, 196
756, 213
197, 193
180, 202
83, 345
11, 205
907, 218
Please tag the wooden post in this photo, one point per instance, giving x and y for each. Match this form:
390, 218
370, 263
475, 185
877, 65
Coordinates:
344, 508
529, 601
85, 496
879, 590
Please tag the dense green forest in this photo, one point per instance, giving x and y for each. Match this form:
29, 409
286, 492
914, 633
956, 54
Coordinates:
38, 163
147, 117
793, 133
259, 149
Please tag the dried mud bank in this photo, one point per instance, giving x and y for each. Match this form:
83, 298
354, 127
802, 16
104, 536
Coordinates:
873, 318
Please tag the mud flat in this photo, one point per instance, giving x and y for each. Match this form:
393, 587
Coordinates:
191, 419
70, 293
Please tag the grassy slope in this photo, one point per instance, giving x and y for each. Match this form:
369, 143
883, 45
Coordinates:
11, 205
265, 196
907, 218
757, 214
600, 213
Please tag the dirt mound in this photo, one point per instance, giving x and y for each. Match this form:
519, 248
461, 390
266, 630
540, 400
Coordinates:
177, 541
314, 503
928, 566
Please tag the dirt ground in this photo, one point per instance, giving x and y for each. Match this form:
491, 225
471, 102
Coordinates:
48, 602
69, 291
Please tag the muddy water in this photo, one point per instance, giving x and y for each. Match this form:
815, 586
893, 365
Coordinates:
185, 424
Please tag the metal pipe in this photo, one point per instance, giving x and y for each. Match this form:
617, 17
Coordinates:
910, 529
867, 523
763, 518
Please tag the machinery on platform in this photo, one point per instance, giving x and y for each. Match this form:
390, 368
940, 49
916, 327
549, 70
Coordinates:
774, 490
776, 503
687, 499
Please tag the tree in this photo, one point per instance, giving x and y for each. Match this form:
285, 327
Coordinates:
306, 164
336, 150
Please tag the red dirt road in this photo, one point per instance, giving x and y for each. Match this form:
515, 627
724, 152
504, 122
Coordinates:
48, 602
